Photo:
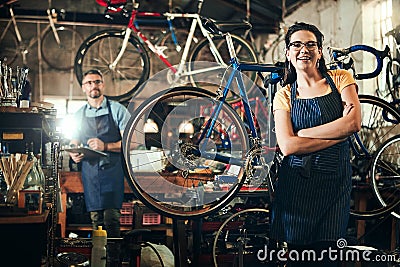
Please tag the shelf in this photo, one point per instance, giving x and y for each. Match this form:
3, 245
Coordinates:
89, 228
41, 218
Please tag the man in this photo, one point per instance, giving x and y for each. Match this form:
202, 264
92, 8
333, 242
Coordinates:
100, 126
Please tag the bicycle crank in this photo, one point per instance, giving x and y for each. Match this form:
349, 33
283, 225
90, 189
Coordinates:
256, 168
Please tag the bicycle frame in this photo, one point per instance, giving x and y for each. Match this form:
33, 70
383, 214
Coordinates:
196, 22
236, 74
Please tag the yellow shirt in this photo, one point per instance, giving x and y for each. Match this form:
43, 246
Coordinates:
341, 78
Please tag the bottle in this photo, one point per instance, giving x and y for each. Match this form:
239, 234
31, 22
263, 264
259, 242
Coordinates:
99, 242
24, 89
35, 178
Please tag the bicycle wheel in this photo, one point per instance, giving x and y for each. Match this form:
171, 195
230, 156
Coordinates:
169, 164
60, 56
99, 50
9, 47
393, 78
278, 51
385, 174
202, 52
240, 237
375, 130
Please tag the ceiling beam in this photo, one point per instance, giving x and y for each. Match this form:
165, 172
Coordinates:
265, 16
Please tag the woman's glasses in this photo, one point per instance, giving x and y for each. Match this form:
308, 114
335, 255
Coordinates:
297, 45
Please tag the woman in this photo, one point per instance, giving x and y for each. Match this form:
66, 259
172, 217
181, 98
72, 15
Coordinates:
314, 114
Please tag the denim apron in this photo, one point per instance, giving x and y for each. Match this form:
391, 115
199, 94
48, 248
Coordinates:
312, 198
103, 178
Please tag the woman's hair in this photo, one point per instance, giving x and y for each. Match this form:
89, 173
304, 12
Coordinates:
290, 74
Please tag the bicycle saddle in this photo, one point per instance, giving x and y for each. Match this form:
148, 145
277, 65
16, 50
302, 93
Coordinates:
219, 27
395, 32
110, 2
113, 6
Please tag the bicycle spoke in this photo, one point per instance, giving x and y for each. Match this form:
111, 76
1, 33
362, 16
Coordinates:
9, 47
100, 50
203, 53
375, 131
240, 237
60, 56
176, 157
386, 174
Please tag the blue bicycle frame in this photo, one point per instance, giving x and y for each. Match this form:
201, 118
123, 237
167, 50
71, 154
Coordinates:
236, 75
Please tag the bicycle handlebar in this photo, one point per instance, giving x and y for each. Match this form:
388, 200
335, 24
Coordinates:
379, 55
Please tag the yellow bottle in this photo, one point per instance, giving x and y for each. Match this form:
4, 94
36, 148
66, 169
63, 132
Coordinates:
99, 253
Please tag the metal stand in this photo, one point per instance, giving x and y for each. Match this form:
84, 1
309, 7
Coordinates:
52, 198
180, 243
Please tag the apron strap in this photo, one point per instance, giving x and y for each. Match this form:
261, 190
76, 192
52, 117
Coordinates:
293, 88
110, 117
334, 88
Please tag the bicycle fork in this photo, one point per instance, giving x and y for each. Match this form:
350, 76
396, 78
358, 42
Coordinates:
23, 50
53, 27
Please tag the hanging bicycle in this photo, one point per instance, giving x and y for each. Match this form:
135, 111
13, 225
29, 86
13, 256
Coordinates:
58, 43
124, 60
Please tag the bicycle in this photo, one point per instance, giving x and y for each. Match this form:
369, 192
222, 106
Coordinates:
180, 188
240, 238
169, 36
60, 39
379, 123
124, 60
392, 75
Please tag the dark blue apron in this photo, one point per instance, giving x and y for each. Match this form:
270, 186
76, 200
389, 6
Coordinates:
312, 195
103, 178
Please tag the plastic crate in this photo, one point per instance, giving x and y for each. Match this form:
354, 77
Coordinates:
127, 208
126, 213
126, 219
151, 219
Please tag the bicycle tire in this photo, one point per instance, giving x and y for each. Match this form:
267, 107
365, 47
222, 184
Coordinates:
385, 175
163, 187
100, 49
9, 48
227, 221
278, 51
393, 78
202, 53
375, 130
60, 57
